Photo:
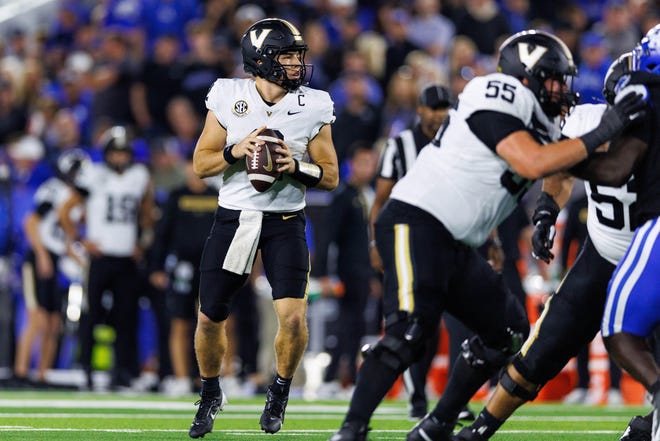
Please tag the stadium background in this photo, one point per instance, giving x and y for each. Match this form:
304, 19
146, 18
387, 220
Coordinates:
372, 56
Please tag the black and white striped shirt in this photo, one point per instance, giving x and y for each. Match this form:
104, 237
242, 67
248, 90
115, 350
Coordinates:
400, 153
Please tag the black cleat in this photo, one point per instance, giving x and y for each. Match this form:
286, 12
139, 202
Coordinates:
639, 429
351, 431
467, 434
430, 429
466, 414
208, 408
273, 416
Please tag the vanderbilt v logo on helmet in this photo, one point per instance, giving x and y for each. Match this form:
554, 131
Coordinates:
257, 40
530, 55
536, 56
261, 45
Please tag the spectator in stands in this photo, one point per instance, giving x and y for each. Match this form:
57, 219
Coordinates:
358, 120
517, 14
185, 123
202, 65
354, 63
617, 27
595, 61
317, 42
430, 30
396, 26
168, 17
62, 134
243, 18
158, 82
464, 63
293, 11
13, 114
483, 22
399, 111
219, 14
113, 77
76, 95
126, 18
343, 21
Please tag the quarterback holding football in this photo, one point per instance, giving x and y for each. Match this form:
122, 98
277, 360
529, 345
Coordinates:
260, 203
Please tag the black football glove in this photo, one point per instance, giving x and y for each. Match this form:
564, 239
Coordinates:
614, 120
544, 218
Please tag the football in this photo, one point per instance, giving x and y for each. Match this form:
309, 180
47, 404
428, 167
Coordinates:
262, 168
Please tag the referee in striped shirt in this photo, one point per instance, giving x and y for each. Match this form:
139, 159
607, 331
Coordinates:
396, 159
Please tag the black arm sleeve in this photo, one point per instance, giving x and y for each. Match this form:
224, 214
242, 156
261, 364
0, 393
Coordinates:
491, 127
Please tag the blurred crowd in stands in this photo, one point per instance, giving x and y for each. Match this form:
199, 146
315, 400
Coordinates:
148, 64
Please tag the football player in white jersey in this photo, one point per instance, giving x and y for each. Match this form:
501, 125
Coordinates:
273, 221
43, 295
572, 316
119, 212
502, 135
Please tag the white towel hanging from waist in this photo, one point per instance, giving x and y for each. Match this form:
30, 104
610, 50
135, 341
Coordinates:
243, 247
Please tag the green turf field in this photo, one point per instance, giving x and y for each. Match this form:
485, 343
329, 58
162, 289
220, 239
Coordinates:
73, 416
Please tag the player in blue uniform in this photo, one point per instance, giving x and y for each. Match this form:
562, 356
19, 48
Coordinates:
632, 310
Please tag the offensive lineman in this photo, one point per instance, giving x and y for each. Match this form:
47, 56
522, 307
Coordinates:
273, 50
490, 151
572, 316
396, 159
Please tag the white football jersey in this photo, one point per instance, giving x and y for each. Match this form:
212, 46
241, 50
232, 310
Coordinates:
457, 178
608, 215
53, 192
112, 206
240, 110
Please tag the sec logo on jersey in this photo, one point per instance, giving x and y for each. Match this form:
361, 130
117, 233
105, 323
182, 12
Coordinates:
240, 108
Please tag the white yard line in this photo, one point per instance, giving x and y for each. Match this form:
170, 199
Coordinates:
310, 415
288, 432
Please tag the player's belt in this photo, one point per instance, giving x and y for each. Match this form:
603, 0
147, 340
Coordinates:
282, 213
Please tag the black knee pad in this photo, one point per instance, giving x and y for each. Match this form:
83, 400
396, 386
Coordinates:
514, 389
401, 346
